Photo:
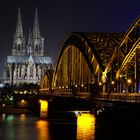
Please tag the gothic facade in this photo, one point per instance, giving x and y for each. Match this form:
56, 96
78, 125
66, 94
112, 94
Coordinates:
28, 63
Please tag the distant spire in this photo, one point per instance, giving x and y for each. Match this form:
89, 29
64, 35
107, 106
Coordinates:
30, 43
30, 38
19, 30
19, 40
36, 32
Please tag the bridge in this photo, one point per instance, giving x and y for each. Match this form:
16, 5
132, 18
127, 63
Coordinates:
99, 64
94, 66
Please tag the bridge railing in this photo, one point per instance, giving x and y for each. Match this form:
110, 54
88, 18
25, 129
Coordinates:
123, 97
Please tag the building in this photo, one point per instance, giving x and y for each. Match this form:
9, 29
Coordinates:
28, 63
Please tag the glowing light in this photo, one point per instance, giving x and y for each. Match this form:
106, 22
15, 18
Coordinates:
22, 101
123, 91
43, 130
15, 92
25, 91
22, 117
112, 82
3, 116
76, 113
85, 126
43, 108
10, 118
100, 83
129, 81
11, 98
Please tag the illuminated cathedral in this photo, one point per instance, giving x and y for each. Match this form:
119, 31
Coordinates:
28, 63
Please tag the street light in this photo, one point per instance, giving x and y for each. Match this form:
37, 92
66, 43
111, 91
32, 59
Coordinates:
100, 83
129, 81
112, 82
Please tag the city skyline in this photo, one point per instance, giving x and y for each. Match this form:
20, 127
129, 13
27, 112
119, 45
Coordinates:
58, 18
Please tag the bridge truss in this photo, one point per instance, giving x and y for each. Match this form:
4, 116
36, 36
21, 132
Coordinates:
104, 62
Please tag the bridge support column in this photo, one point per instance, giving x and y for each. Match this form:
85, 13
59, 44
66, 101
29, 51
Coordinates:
126, 80
137, 70
104, 82
118, 85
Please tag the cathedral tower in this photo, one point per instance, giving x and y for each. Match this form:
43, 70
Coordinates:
27, 64
38, 40
19, 40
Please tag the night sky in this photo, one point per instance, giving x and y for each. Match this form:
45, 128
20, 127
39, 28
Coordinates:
57, 18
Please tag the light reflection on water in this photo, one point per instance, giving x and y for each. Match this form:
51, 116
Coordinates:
43, 130
17, 127
85, 126
28, 127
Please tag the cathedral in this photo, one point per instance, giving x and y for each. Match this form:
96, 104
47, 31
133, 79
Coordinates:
28, 63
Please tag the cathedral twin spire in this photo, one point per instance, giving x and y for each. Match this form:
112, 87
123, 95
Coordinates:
35, 41
19, 29
36, 31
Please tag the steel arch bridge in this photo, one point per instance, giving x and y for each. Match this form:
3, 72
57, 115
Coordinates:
104, 62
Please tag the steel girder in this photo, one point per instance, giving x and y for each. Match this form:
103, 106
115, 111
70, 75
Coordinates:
130, 42
99, 46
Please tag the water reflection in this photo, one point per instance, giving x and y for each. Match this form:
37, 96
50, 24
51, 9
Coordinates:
17, 127
43, 130
85, 126
3, 116
23, 117
10, 129
26, 127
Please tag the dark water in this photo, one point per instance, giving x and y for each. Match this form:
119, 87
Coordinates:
121, 123
85, 127
28, 127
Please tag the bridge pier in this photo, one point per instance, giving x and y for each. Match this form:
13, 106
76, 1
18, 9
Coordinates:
65, 107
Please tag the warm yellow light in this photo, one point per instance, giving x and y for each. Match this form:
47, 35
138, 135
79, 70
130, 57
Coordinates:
25, 91
100, 83
82, 85
85, 126
43, 130
112, 82
22, 101
75, 85
22, 117
43, 108
129, 81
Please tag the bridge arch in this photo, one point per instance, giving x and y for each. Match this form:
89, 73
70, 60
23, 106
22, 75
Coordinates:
94, 48
126, 61
46, 81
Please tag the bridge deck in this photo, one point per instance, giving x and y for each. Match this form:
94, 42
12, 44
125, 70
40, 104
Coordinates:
120, 97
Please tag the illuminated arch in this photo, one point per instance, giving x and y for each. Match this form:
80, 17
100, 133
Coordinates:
127, 42
94, 47
124, 62
46, 81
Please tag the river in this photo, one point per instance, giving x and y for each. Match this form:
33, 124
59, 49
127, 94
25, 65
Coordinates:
84, 127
